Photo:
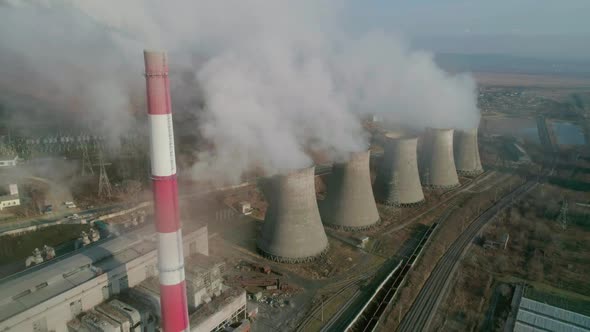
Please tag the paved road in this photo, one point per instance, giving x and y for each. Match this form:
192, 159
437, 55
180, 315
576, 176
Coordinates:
320, 169
52, 218
424, 307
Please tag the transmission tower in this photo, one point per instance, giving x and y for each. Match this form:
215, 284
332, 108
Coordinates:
562, 218
104, 185
86, 164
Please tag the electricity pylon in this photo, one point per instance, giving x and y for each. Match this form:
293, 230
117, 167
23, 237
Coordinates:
104, 185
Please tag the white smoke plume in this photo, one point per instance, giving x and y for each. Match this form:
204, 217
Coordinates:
382, 76
278, 78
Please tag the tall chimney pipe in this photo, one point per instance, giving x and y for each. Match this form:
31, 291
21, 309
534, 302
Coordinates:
170, 256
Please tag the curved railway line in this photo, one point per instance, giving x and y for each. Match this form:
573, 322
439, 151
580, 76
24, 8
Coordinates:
390, 289
334, 290
370, 316
422, 310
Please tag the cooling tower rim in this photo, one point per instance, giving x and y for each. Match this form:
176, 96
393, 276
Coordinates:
441, 130
399, 136
347, 228
286, 172
470, 172
466, 131
359, 152
352, 156
443, 187
292, 260
403, 205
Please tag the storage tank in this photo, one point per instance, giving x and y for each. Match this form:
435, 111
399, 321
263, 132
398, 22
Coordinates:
349, 202
437, 163
292, 230
467, 152
398, 180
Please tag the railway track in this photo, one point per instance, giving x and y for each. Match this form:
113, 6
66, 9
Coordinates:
447, 197
370, 316
422, 310
334, 290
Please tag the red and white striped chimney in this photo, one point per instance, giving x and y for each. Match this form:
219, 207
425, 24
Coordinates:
170, 256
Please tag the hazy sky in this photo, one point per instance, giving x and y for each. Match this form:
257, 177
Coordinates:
528, 27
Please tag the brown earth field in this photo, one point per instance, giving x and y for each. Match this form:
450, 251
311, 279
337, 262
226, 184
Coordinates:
540, 253
468, 206
530, 80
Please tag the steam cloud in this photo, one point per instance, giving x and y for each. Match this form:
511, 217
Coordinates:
278, 78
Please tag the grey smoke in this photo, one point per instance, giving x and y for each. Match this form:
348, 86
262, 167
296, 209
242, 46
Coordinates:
278, 78
61, 56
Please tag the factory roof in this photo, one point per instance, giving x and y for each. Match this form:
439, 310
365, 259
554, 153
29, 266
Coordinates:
217, 303
34, 286
198, 263
152, 284
41, 283
8, 156
537, 316
8, 197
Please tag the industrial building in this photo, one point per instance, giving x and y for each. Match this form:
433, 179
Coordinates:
349, 203
537, 316
9, 198
292, 230
8, 160
47, 296
466, 150
437, 163
212, 305
77, 288
8, 201
398, 181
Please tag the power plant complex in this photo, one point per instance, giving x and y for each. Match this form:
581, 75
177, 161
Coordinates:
266, 168
157, 278
292, 231
113, 286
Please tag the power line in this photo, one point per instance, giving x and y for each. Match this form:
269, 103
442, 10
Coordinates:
104, 185
562, 218
86, 164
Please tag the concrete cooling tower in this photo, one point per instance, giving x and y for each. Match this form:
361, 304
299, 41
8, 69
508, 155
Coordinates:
398, 180
437, 164
292, 230
467, 152
349, 203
